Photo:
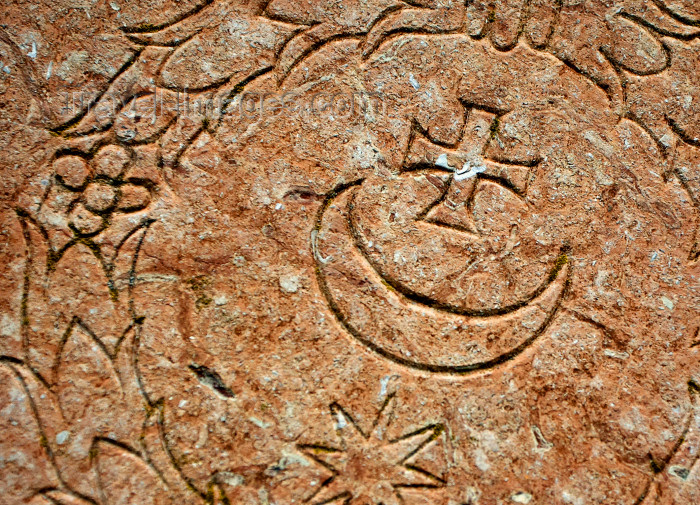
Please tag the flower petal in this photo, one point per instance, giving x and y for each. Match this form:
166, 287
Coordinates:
506, 24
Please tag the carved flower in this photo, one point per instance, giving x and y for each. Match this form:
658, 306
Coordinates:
90, 191
83, 240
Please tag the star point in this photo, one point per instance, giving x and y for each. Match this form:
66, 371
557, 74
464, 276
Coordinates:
368, 467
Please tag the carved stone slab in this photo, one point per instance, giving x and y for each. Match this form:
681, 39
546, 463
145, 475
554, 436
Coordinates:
377, 252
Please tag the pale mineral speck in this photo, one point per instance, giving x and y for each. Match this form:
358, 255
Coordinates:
290, 283
62, 437
668, 303
521, 497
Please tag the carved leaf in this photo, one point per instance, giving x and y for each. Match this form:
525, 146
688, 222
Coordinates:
687, 11
588, 35
40, 338
237, 47
124, 263
46, 409
80, 287
223, 40
135, 78
93, 402
135, 18
95, 45
152, 445
21, 440
634, 48
660, 17
126, 479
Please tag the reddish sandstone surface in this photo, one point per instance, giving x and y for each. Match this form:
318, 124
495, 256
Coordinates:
364, 253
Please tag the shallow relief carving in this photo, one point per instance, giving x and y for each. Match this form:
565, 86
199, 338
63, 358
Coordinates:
497, 279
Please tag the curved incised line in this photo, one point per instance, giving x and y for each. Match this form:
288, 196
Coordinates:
691, 141
400, 360
678, 17
61, 129
661, 31
448, 307
616, 64
313, 49
151, 28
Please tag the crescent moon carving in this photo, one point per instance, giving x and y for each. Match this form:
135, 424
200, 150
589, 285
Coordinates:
409, 331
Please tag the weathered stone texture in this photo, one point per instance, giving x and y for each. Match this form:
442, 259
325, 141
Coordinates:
351, 252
